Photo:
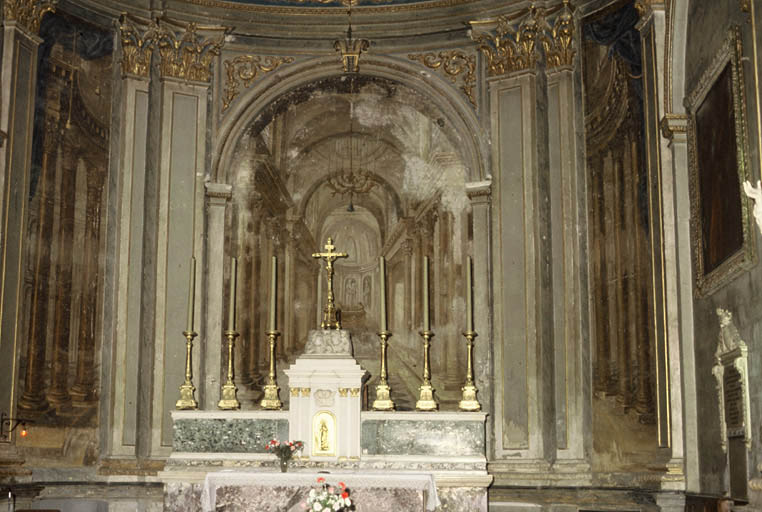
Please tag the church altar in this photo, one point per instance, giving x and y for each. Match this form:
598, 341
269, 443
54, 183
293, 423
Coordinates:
391, 460
244, 490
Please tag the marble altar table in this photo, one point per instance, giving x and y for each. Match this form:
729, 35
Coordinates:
233, 491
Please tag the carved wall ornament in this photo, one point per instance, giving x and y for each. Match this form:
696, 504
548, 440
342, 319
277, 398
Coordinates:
456, 65
721, 239
28, 13
755, 193
324, 398
350, 50
244, 69
732, 381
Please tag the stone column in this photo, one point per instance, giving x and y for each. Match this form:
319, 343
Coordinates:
124, 247
666, 297
17, 93
674, 128
571, 346
217, 197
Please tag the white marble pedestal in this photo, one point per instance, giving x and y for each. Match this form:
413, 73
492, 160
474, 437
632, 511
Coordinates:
325, 398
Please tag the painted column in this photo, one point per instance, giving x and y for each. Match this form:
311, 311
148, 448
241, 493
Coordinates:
33, 399
479, 194
217, 198
59, 371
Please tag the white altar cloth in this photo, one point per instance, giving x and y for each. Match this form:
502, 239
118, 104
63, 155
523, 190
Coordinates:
402, 480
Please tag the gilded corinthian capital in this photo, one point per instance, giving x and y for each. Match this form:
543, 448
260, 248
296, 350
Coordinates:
185, 50
137, 47
509, 43
27, 13
559, 41
512, 42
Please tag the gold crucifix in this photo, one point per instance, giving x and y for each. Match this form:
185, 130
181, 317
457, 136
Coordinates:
331, 315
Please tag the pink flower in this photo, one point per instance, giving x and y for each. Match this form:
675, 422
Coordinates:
320, 480
342, 485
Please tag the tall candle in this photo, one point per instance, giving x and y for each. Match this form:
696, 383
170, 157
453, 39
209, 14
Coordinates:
382, 277
191, 294
273, 292
233, 280
469, 297
426, 324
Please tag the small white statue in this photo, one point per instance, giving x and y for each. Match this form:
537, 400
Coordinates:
755, 193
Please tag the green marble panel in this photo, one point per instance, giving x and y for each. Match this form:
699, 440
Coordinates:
217, 435
411, 437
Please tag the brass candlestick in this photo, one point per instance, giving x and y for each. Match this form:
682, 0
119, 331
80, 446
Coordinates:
271, 400
468, 401
383, 401
426, 400
229, 400
187, 400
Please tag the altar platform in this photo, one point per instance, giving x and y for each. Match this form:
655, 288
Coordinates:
407, 461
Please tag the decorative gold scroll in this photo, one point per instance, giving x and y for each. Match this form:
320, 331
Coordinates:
456, 64
28, 13
244, 69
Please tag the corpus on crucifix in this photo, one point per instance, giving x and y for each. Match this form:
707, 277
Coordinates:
331, 315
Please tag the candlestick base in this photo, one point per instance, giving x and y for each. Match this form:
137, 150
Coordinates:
271, 400
187, 400
229, 400
426, 400
469, 401
383, 401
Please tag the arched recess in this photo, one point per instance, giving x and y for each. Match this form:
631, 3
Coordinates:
413, 211
441, 100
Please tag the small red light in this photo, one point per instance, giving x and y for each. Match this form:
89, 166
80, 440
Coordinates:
23, 432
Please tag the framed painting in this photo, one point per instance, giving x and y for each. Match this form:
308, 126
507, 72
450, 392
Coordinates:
718, 145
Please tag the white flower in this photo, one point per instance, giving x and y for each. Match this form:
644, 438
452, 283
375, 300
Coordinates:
317, 507
312, 493
337, 506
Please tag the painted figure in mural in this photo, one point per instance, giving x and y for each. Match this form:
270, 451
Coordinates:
350, 291
366, 291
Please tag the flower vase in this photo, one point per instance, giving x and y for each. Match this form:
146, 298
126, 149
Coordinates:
283, 465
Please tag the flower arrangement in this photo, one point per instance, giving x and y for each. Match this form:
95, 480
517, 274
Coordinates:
284, 451
328, 498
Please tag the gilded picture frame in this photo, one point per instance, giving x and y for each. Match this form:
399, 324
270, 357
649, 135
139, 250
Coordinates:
721, 224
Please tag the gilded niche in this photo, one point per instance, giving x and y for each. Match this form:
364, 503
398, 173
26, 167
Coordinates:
510, 42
